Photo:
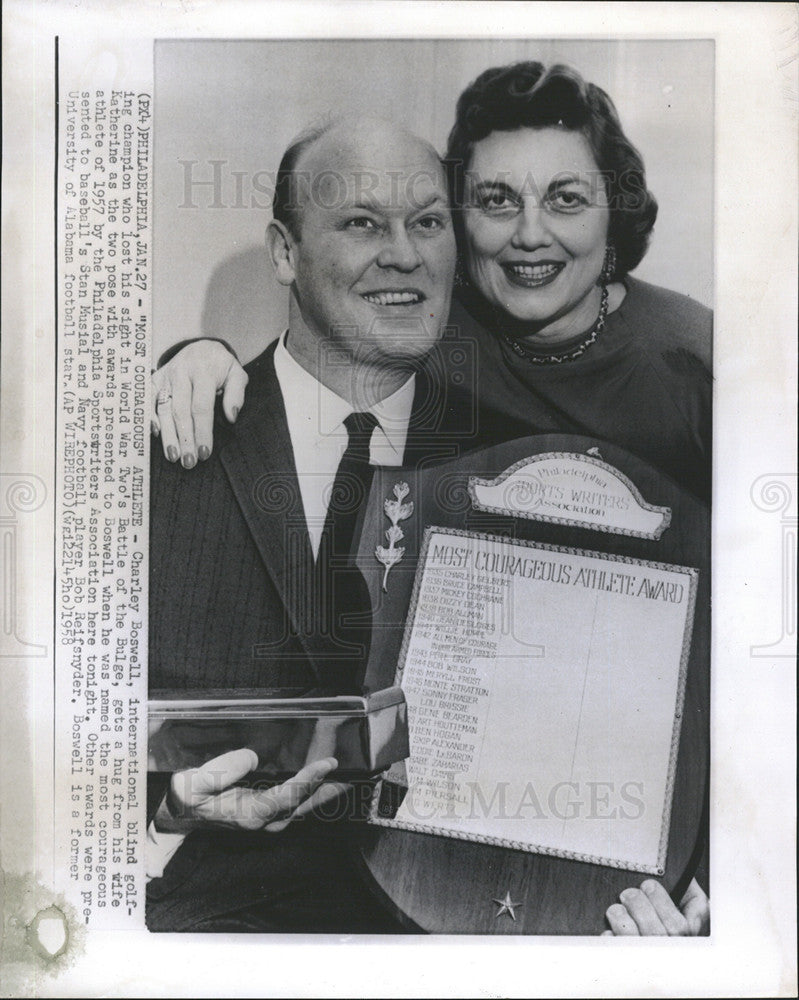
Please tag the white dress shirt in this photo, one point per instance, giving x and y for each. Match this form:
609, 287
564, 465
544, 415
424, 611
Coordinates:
315, 416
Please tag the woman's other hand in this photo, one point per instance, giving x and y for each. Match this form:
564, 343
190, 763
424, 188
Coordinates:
184, 393
651, 911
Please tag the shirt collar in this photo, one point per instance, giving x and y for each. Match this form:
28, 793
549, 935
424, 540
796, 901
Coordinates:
318, 406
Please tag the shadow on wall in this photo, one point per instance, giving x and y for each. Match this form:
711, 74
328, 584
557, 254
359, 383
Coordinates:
244, 304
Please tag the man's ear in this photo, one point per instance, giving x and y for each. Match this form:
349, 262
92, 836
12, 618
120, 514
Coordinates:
280, 244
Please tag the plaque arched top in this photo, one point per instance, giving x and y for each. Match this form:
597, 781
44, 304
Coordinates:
571, 489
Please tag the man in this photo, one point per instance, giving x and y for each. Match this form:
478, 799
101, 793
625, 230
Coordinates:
363, 237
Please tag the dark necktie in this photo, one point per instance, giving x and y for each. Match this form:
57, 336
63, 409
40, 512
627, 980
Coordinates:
344, 593
351, 486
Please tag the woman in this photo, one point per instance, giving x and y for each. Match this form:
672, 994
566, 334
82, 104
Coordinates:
552, 213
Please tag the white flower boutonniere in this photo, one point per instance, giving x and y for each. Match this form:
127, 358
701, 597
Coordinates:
395, 511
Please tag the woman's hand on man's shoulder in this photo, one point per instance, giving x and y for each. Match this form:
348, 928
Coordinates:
184, 395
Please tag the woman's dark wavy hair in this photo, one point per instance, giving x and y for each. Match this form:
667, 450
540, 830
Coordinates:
527, 94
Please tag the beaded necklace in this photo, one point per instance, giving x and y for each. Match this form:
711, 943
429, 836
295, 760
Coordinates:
536, 358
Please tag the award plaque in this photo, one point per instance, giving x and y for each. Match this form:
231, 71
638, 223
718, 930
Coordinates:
544, 606
522, 667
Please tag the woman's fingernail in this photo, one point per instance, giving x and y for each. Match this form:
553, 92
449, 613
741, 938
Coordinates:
235, 412
154, 428
172, 453
188, 461
203, 452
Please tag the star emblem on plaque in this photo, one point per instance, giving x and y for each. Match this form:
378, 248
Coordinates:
506, 905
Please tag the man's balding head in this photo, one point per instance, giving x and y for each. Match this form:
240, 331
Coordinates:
370, 137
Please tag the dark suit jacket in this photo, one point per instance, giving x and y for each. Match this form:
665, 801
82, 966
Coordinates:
232, 600
233, 606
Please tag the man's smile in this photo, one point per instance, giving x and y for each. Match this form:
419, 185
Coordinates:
398, 297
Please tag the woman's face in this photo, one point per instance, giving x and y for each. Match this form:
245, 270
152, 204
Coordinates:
536, 220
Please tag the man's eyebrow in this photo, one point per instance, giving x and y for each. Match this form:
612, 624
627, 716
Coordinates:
436, 196
366, 203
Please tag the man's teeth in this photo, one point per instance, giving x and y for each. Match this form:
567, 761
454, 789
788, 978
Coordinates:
534, 271
392, 298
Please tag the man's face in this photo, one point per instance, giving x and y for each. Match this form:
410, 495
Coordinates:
375, 258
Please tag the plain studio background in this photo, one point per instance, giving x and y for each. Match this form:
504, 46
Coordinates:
240, 103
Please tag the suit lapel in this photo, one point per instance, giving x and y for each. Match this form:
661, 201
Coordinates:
259, 462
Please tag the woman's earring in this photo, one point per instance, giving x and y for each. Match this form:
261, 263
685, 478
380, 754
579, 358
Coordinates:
609, 266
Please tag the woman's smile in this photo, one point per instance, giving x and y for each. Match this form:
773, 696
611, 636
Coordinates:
526, 274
